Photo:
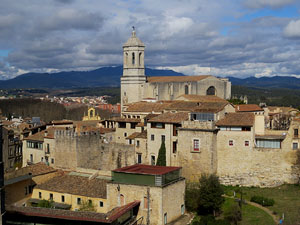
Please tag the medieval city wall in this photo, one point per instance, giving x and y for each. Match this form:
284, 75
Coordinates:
89, 150
251, 166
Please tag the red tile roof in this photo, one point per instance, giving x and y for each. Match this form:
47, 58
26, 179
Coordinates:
237, 119
248, 108
201, 98
170, 117
108, 218
147, 169
176, 78
40, 169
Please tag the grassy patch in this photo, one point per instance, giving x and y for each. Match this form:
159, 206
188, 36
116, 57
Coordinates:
250, 214
287, 200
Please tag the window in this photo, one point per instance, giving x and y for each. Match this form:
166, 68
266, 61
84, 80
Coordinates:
230, 142
211, 91
152, 137
139, 158
40, 194
42, 159
78, 201
163, 138
125, 134
295, 132
48, 148
137, 143
130, 141
132, 125
90, 202
31, 158
153, 160
30, 188
182, 209
174, 146
196, 145
165, 218
62, 198
122, 200
246, 143
101, 204
145, 203
51, 196
186, 89
133, 58
295, 146
158, 125
52, 161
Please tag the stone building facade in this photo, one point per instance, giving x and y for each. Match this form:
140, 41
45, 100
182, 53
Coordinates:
135, 86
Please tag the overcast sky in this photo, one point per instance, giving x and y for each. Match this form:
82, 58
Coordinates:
238, 38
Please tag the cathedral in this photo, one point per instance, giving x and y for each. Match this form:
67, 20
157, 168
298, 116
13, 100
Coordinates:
135, 86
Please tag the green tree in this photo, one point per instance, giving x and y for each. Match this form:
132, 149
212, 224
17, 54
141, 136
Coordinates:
210, 193
161, 160
87, 206
46, 203
233, 214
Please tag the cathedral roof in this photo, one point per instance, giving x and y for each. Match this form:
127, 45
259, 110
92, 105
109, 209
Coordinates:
176, 78
134, 41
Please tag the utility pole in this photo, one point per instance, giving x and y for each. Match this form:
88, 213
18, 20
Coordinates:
2, 194
148, 206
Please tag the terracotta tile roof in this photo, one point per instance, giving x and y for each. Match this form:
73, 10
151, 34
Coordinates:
158, 106
40, 169
59, 122
142, 135
77, 185
248, 108
133, 136
178, 105
135, 120
138, 135
147, 169
271, 137
237, 119
212, 107
169, 117
201, 98
104, 130
39, 136
176, 78
108, 218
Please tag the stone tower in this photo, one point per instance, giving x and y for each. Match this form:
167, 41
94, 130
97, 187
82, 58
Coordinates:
133, 79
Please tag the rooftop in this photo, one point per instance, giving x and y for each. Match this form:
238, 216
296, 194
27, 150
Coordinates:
147, 169
109, 217
76, 185
201, 98
170, 117
40, 169
237, 119
248, 108
176, 78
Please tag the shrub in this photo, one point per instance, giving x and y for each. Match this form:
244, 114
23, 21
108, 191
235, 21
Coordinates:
233, 214
262, 200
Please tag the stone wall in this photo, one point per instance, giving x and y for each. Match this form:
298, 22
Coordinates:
89, 150
251, 166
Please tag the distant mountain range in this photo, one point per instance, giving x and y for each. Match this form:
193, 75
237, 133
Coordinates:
102, 77
110, 77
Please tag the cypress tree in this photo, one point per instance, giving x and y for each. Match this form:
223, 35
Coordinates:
161, 160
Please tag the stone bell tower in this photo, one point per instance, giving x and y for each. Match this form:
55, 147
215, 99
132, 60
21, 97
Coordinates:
133, 79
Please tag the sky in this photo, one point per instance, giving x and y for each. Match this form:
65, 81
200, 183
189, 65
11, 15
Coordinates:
238, 38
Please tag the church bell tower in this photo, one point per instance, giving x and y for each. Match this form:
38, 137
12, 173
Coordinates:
133, 79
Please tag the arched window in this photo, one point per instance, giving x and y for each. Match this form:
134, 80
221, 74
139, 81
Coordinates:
133, 58
122, 200
140, 59
186, 89
126, 58
211, 91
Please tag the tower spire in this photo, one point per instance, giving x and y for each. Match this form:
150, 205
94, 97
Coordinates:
133, 32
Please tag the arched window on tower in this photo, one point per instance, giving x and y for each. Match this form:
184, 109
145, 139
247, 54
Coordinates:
126, 58
140, 59
186, 89
211, 91
133, 58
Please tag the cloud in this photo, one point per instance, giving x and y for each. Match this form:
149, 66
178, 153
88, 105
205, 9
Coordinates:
258, 4
292, 30
187, 36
